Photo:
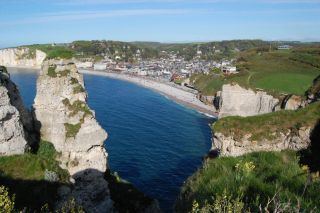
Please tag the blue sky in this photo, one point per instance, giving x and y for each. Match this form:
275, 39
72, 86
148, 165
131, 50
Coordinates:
46, 21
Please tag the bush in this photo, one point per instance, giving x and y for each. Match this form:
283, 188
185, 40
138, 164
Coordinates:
52, 72
6, 202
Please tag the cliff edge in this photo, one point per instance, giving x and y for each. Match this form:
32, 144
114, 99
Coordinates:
16, 124
22, 57
64, 118
286, 129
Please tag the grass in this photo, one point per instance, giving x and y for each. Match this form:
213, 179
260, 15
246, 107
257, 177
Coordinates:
276, 72
72, 129
52, 72
264, 126
24, 174
292, 83
32, 166
78, 89
253, 177
53, 52
78, 106
208, 85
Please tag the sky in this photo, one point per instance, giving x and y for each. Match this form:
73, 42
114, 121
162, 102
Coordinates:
61, 21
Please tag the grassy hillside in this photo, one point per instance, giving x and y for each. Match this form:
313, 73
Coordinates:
277, 72
264, 126
52, 51
244, 183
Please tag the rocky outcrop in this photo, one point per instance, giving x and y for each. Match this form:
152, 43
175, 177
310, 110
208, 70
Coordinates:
65, 119
292, 139
16, 125
293, 102
237, 101
21, 57
313, 93
206, 99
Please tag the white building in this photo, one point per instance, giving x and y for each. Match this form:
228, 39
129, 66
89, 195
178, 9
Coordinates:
87, 64
229, 69
100, 67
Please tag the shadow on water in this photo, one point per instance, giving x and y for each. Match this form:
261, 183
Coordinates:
311, 155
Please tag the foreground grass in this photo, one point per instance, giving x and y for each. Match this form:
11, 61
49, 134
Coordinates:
264, 126
32, 166
24, 176
252, 180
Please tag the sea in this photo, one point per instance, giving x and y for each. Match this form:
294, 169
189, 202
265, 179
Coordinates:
153, 142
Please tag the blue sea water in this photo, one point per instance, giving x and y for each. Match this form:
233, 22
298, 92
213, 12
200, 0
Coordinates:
153, 142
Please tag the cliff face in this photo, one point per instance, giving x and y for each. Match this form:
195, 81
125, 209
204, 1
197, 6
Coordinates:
229, 146
65, 119
16, 124
21, 57
237, 101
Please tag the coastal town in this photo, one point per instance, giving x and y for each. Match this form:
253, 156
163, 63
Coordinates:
170, 67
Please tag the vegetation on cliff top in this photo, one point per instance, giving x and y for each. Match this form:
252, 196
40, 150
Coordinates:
249, 181
274, 71
267, 126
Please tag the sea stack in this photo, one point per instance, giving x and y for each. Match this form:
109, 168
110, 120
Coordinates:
64, 119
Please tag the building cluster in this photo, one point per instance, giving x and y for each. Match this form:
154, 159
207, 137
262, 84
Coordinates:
171, 67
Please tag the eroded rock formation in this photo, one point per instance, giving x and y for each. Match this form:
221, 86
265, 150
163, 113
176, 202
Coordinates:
65, 120
16, 123
292, 139
293, 102
237, 101
22, 57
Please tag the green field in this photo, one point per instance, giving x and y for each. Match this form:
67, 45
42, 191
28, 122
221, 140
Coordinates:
242, 184
292, 83
277, 72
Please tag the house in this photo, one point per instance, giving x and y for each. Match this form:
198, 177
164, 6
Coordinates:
284, 47
229, 70
100, 67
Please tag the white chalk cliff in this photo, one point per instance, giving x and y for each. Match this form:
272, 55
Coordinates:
21, 57
237, 101
229, 146
12, 135
65, 120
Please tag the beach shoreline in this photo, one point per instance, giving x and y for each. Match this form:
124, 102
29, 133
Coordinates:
180, 96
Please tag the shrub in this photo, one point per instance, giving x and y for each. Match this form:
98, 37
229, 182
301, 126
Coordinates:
78, 89
52, 71
6, 202
74, 81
